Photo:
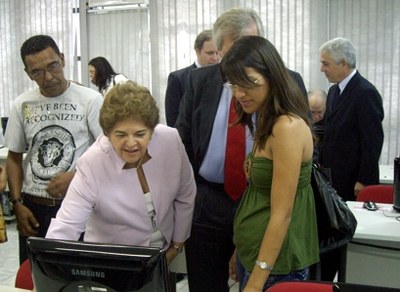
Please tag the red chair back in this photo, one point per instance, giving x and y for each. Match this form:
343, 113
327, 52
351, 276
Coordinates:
23, 280
302, 286
376, 193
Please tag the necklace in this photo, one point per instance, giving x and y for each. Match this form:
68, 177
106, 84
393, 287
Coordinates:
247, 167
248, 163
138, 165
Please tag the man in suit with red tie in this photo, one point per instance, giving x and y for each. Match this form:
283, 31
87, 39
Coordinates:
353, 129
207, 54
203, 123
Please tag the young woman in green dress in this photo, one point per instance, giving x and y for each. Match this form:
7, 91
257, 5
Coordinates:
275, 230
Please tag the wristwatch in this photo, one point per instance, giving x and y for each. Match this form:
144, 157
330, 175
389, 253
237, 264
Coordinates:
177, 248
264, 265
16, 201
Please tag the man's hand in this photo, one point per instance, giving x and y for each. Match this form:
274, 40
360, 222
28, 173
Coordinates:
58, 186
3, 178
27, 224
357, 188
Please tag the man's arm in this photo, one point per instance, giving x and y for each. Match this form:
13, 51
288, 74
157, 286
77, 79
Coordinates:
93, 116
58, 186
26, 222
370, 115
184, 119
3, 178
173, 96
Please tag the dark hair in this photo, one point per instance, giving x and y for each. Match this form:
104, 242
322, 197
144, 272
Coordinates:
284, 97
37, 44
104, 72
202, 37
128, 100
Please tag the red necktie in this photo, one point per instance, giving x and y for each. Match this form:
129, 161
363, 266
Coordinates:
235, 179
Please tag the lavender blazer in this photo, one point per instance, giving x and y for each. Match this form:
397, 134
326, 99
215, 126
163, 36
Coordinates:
107, 201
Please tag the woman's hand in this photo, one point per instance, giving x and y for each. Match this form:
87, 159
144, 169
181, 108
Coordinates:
253, 285
170, 255
173, 250
233, 267
251, 289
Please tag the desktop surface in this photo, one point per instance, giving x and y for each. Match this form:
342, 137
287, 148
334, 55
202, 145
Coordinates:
373, 255
380, 225
11, 289
386, 174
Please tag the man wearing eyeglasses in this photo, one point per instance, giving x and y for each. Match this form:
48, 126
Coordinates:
53, 124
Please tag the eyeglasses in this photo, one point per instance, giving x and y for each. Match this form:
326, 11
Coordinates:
232, 86
52, 68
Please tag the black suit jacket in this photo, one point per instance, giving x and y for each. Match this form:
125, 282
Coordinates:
199, 106
353, 136
174, 93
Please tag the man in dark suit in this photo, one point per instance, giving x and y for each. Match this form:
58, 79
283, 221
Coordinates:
354, 133
207, 54
202, 123
353, 129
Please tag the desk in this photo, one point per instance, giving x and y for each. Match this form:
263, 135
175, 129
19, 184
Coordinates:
373, 256
3, 155
11, 289
386, 174
5, 201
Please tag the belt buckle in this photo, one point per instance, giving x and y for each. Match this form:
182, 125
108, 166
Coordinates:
53, 202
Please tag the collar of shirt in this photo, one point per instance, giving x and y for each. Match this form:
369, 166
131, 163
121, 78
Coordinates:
342, 84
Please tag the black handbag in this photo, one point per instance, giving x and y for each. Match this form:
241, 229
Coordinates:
336, 222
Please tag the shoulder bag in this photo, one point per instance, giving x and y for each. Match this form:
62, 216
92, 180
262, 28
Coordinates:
336, 222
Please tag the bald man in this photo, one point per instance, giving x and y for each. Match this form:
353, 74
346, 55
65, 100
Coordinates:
317, 103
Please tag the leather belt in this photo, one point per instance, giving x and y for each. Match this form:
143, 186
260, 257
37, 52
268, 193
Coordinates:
42, 201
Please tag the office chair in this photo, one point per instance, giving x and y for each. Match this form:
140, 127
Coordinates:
376, 193
23, 279
303, 286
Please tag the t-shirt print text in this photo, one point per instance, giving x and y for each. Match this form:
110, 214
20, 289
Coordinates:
52, 112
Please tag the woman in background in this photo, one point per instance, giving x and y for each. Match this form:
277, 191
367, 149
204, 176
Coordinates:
275, 230
3, 185
135, 185
103, 75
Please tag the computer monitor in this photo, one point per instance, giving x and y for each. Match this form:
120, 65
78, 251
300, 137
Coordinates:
396, 184
76, 266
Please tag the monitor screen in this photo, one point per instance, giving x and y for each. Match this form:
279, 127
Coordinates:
396, 184
76, 266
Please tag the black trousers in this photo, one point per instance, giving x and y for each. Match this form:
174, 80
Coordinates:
43, 215
210, 246
331, 262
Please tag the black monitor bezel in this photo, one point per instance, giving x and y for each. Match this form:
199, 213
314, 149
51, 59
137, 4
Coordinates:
44, 250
